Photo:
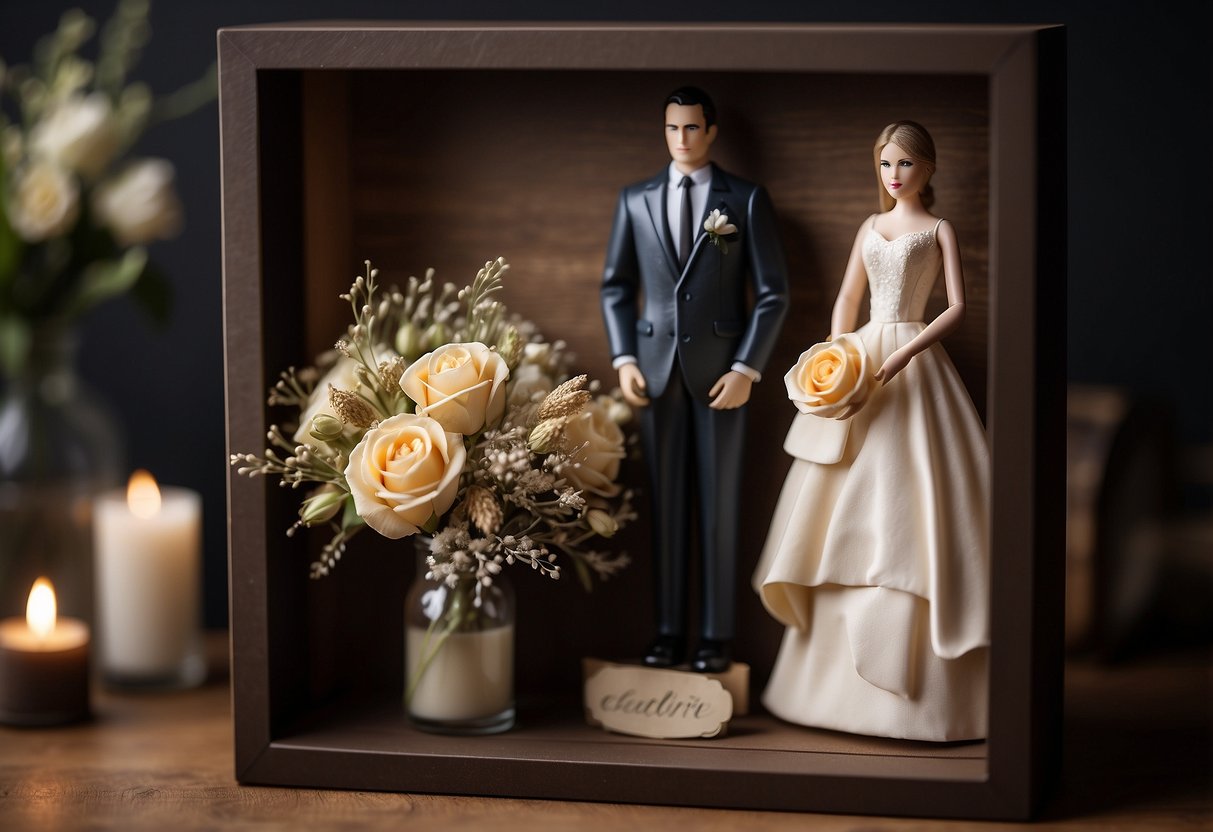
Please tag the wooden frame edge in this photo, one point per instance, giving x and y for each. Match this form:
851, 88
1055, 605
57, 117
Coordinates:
1015, 789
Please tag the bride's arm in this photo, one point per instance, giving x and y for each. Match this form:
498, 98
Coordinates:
948, 321
850, 294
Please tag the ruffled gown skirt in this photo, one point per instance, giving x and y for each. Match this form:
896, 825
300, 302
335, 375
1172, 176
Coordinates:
877, 559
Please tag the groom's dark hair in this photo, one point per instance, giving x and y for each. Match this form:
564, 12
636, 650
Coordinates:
689, 97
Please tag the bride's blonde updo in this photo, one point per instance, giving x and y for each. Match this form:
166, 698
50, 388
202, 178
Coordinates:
914, 139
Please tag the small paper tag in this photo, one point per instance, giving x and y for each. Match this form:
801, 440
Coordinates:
660, 704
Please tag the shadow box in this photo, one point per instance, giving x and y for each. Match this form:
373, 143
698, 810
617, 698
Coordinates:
446, 145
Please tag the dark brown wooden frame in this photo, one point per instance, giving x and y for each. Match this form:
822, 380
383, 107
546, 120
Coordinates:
283, 739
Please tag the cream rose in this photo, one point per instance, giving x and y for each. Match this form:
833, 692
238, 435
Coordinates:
139, 205
44, 202
460, 385
405, 472
595, 441
78, 133
832, 379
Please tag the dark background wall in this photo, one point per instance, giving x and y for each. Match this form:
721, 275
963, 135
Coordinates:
1139, 293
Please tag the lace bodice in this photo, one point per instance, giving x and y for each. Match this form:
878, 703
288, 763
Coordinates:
901, 273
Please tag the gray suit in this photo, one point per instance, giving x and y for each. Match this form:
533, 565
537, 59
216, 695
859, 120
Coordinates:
693, 326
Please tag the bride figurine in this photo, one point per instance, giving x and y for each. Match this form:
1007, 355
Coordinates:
878, 555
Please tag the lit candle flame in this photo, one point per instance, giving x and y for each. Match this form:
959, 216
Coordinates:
40, 611
142, 495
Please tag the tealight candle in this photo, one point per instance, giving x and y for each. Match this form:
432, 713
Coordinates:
43, 664
148, 551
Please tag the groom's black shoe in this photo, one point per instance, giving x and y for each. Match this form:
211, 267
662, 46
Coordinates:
713, 656
665, 651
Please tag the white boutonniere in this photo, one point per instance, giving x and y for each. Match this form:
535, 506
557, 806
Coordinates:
718, 227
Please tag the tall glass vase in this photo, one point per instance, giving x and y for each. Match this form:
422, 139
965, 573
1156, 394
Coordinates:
59, 448
459, 654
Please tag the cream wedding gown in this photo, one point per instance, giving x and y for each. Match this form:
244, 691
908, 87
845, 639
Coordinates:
878, 555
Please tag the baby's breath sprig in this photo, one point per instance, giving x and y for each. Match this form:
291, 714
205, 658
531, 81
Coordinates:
332, 551
424, 316
294, 388
538, 505
525, 549
360, 342
484, 315
294, 464
603, 565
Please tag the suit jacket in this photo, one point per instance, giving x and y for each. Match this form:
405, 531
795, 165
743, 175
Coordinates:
697, 314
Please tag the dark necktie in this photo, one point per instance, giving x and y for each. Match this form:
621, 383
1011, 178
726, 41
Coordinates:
684, 226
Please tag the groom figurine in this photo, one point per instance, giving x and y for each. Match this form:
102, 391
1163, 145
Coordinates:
687, 358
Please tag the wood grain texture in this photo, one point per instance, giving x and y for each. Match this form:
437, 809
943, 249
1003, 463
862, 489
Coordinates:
1138, 739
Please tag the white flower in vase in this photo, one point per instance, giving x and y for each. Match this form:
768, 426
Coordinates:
79, 133
44, 203
140, 205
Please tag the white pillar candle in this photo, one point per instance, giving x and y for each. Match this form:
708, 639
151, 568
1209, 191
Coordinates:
148, 551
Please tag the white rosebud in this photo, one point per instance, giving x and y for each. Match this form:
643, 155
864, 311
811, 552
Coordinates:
78, 133
44, 202
322, 505
537, 353
326, 428
434, 336
602, 523
408, 341
139, 205
340, 375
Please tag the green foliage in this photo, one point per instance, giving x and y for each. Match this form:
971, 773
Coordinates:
11, 246
15, 338
154, 294
105, 279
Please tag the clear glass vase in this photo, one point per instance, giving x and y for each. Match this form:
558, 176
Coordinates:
459, 654
59, 448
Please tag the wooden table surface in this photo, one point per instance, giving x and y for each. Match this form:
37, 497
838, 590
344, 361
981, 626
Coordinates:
1138, 757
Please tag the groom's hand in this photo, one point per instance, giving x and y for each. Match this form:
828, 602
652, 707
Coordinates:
730, 391
631, 382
